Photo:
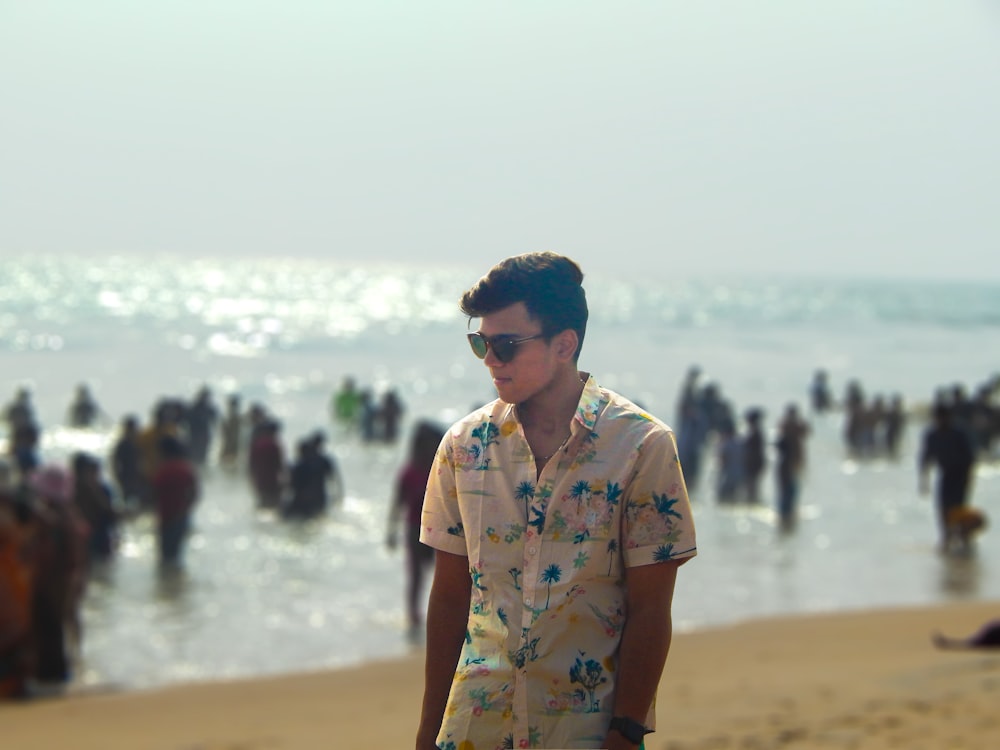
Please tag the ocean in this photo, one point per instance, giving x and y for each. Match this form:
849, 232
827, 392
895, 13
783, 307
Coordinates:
262, 596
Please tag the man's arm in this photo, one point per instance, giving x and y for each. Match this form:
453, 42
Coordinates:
645, 642
447, 620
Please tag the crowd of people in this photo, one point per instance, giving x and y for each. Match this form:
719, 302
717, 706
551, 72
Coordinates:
377, 418
61, 521
705, 418
58, 522
960, 430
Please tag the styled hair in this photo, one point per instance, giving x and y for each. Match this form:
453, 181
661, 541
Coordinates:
549, 285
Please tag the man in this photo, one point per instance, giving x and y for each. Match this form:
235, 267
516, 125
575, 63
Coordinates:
175, 490
948, 448
560, 517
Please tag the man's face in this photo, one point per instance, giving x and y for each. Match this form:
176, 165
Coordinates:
534, 363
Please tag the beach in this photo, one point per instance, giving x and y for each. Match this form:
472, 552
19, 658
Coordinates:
862, 679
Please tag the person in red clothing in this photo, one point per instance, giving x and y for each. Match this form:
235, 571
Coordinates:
267, 465
175, 492
408, 502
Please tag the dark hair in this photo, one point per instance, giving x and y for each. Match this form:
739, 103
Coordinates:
171, 447
426, 438
548, 284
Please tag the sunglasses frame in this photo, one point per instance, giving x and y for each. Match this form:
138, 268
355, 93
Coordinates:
504, 348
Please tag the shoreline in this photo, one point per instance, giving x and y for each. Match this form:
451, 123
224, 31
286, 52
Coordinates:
861, 679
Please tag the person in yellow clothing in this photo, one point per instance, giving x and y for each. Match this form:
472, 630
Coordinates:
560, 517
166, 423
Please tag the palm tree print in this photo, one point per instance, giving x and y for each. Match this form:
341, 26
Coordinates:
613, 492
665, 505
525, 492
551, 575
663, 553
612, 548
589, 674
486, 434
580, 490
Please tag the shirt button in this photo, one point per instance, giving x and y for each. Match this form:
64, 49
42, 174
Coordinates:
527, 602
531, 550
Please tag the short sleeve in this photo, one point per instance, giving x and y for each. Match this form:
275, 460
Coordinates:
658, 524
441, 521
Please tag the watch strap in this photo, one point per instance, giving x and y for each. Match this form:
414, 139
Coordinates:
628, 728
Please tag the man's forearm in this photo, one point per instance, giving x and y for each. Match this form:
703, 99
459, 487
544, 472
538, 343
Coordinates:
641, 658
447, 617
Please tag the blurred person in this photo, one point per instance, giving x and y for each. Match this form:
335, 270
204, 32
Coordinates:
388, 413
729, 461
23, 433
367, 416
93, 499
346, 402
200, 418
895, 424
754, 454
267, 465
231, 432
126, 460
405, 508
83, 410
175, 490
791, 460
16, 594
820, 396
20, 411
311, 474
166, 419
60, 574
947, 449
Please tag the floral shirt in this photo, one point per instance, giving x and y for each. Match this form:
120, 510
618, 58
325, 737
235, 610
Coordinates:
547, 560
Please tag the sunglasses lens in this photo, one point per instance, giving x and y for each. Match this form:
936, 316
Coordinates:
478, 343
504, 349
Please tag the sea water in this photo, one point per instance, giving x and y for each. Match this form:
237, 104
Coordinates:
261, 596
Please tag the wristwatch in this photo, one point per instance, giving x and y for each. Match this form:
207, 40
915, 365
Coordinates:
630, 729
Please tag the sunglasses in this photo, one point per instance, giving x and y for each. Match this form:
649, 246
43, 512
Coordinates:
504, 348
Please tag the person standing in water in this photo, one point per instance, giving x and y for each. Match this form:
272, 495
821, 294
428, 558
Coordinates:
406, 506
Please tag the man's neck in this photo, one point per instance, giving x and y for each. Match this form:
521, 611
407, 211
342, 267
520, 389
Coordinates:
550, 410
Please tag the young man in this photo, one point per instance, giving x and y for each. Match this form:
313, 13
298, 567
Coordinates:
560, 516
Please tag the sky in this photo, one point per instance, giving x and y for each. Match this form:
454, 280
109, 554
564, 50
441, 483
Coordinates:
859, 138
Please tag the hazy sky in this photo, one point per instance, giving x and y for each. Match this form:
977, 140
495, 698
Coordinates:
853, 136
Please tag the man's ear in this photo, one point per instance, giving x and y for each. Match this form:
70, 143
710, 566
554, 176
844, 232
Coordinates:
566, 343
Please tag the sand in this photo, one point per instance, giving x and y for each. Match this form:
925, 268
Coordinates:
869, 680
